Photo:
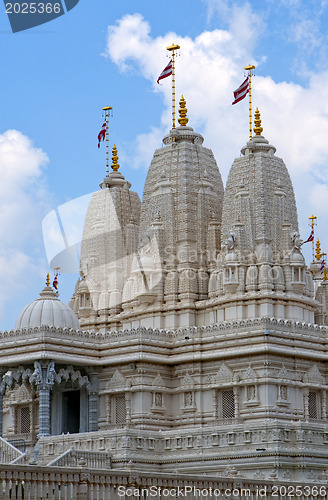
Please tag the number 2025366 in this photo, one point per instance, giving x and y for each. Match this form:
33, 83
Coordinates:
32, 8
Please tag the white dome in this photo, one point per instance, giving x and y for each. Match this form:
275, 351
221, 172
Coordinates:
47, 310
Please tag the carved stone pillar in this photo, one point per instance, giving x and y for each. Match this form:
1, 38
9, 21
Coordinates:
1, 406
306, 402
93, 393
236, 398
128, 407
324, 404
44, 377
93, 411
44, 410
2, 392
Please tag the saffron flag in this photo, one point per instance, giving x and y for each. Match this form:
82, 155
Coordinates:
241, 92
166, 72
310, 238
102, 134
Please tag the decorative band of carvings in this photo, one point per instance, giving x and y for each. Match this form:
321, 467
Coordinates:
165, 334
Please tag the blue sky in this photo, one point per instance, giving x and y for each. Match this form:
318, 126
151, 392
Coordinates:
56, 78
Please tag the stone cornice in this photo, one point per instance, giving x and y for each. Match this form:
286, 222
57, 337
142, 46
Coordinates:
217, 341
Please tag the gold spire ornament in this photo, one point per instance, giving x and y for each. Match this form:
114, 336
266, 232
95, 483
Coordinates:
115, 165
258, 129
48, 280
172, 49
318, 253
107, 109
249, 69
183, 120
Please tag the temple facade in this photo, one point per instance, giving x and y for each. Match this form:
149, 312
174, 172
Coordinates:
195, 340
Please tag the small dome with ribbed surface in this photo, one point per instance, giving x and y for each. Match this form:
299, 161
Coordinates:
47, 310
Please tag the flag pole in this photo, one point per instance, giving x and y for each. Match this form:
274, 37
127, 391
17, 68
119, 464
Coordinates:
172, 48
312, 219
249, 69
107, 109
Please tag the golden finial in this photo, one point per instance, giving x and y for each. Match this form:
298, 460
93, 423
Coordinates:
183, 120
258, 129
115, 165
318, 253
325, 274
48, 280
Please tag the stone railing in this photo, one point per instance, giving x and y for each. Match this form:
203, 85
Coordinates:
8, 452
20, 460
40, 483
308, 437
90, 459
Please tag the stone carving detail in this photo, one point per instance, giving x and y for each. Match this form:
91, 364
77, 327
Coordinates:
230, 241
187, 381
313, 376
249, 374
296, 240
158, 399
22, 394
158, 381
284, 374
117, 380
74, 375
188, 399
44, 377
225, 375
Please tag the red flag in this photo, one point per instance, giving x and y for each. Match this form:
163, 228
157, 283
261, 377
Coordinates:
166, 72
102, 134
241, 92
310, 238
55, 283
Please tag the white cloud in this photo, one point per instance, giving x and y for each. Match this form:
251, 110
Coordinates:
23, 198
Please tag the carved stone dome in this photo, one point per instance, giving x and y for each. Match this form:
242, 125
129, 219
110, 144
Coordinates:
47, 310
